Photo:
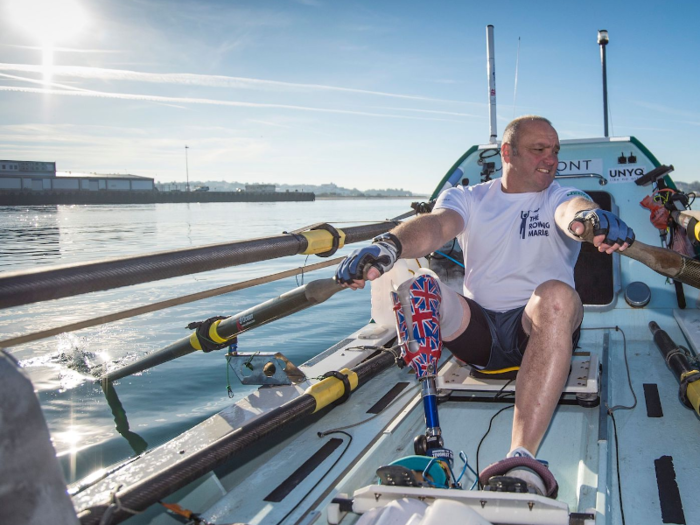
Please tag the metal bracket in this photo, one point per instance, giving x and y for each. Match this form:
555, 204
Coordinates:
266, 369
601, 180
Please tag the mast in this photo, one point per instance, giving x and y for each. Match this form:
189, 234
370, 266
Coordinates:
491, 72
603, 42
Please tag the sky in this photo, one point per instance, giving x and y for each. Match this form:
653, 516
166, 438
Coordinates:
363, 94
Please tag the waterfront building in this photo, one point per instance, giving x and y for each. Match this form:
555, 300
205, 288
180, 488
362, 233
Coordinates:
20, 175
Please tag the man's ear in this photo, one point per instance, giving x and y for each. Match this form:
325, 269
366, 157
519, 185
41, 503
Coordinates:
506, 152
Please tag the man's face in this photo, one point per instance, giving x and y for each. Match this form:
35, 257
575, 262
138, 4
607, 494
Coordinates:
533, 163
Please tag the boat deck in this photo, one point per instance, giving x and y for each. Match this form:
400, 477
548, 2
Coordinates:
298, 478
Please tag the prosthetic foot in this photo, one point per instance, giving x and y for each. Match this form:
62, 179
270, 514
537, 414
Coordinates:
417, 308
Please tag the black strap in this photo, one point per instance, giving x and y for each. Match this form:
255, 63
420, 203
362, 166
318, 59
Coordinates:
336, 238
346, 384
423, 207
203, 334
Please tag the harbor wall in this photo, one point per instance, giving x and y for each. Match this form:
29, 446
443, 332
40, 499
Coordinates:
32, 198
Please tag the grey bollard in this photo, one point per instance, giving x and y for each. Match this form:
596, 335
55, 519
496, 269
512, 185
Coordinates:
32, 487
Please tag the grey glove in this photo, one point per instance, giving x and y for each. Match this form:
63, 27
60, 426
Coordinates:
381, 254
606, 223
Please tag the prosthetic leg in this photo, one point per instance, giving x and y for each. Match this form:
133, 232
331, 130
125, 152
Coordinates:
417, 309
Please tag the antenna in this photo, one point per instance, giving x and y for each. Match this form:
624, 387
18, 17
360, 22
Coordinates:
187, 169
603, 41
491, 72
515, 88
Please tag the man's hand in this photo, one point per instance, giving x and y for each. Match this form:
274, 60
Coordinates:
370, 262
610, 232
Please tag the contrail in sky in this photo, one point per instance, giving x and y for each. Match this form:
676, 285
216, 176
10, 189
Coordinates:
183, 100
199, 80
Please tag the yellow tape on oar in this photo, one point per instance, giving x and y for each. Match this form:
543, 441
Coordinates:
331, 389
692, 391
213, 336
696, 232
323, 241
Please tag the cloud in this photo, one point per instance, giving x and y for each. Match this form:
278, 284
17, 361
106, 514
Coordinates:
662, 109
66, 49
452, 113
104, 148
206, 101
200, 80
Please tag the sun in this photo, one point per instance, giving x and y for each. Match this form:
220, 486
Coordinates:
48, 22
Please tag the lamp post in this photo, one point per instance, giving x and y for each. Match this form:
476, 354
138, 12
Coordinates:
187, 168
603, 41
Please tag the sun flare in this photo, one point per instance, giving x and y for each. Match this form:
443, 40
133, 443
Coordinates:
48, 22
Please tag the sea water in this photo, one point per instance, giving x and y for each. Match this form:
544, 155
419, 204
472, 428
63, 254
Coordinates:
160, 403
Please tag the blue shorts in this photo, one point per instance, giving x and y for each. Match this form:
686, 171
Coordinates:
494, 340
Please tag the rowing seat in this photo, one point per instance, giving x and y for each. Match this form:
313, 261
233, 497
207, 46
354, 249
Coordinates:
582, 383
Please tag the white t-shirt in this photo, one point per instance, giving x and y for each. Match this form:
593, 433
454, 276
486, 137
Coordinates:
510, 241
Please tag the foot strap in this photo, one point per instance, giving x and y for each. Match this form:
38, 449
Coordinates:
501, 468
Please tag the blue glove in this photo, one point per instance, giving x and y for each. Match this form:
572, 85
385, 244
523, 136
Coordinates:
381, 254
608, 224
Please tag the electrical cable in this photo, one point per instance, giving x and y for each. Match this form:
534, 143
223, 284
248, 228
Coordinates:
627, 366
486, 434
617, 468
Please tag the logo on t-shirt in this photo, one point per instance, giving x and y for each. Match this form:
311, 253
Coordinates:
531, 225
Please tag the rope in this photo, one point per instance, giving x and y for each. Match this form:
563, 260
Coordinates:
154, 307
115, 504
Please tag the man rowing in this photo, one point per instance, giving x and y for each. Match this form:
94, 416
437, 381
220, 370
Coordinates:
520, 239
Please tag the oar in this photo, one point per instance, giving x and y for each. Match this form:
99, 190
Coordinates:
312, 293
665, 262
135, 487
31, 286
690, 220
687, 375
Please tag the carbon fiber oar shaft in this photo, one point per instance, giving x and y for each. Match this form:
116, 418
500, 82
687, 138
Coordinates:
31, 286
665, 262
286, 304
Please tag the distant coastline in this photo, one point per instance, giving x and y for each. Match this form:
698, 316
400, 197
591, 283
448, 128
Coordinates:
34, 198
327, 197
328, 190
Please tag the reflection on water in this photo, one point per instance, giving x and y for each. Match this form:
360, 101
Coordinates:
88, 431
28, 232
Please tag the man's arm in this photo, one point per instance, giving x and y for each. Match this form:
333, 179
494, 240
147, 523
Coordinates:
409, 240
428, 232
570, 220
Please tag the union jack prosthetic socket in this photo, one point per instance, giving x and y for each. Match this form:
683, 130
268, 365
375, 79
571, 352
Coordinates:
417, 305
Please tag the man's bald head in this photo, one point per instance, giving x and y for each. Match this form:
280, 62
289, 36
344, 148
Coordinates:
511, 135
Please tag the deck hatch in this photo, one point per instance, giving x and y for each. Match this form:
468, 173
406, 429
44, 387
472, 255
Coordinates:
387, 398
651, 396
669, 495
289, 484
